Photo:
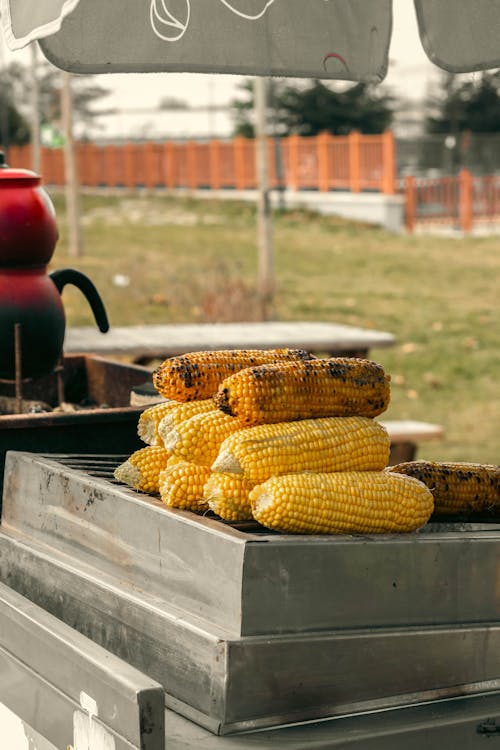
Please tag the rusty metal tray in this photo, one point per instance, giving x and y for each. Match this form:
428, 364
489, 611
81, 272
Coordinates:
102, 421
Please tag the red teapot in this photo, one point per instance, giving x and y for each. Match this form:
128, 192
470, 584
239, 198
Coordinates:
29, 296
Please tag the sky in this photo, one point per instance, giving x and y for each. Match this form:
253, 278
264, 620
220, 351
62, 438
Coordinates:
409, 74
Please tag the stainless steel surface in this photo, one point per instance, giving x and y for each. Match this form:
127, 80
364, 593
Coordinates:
253, 583
59, 682
247, 629
456, 724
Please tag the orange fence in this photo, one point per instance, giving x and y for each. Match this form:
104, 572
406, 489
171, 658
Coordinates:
459, 202
354, 162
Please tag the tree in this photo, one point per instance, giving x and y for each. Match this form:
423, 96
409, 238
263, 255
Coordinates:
315, 108
86, 93
14, 128
465, 104
16, 86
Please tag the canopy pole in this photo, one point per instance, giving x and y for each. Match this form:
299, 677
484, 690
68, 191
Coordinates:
70, 170
35, 110
266, 283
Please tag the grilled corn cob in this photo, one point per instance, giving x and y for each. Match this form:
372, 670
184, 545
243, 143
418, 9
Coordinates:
150, 418
337, 387
365, 502
180, 413
228, 496
142, 469
197, 375
457, 487
323, 444
181, 486
198, 439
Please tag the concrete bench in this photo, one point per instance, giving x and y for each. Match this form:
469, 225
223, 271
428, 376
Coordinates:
406, 434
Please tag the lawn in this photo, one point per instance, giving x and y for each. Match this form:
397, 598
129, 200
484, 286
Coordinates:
163, 259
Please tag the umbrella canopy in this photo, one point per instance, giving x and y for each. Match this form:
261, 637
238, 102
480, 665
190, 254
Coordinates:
341, 39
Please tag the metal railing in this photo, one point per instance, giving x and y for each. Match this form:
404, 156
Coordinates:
325, 162
460, 202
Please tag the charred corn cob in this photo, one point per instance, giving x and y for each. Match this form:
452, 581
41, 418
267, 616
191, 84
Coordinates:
457, 487
323, 444
150, 418
142, 469
228, 496
364, 502
197, 375
181, 486
198, 439
180, 413
286, 391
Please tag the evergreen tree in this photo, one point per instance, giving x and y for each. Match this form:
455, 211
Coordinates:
14, 128
316, 108
15, 96
470, 104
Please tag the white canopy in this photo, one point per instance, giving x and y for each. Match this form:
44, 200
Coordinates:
341, 39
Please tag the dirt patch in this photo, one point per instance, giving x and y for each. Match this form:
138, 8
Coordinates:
149, 213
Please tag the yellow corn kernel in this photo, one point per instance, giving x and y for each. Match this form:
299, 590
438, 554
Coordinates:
181, 486
150, 418
142, 469
173, 461
197, 375
228, 496
323, 444
180, 413
287, 391
351, 502
457, 487
198, 439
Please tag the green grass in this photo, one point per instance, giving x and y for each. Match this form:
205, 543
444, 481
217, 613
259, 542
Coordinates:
193, 260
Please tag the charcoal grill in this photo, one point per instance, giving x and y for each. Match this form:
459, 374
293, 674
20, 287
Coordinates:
247, 629
98, 392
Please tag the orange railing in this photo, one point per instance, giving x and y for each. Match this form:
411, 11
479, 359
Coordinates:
460, 201
354, 162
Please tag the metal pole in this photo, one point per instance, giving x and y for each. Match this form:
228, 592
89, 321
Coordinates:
4, 106
35, 111
70, 170
266, 283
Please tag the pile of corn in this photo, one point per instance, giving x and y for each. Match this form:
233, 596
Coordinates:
282, 438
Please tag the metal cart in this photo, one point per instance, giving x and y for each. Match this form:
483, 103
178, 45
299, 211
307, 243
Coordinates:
164, 628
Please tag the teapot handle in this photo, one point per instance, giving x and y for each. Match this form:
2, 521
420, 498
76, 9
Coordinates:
65, 276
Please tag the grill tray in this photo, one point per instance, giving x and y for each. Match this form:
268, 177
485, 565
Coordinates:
242, 627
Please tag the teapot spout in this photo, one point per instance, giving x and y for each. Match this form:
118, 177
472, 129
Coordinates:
65, 276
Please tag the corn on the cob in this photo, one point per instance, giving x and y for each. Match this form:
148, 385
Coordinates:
337, 387
197, 375
228, 496
173, 461
150, 418
198, 439
181, 486
457, 487
182, 412
142, 469
366, 502
323, 444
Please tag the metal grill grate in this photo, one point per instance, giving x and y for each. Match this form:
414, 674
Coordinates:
103, 467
